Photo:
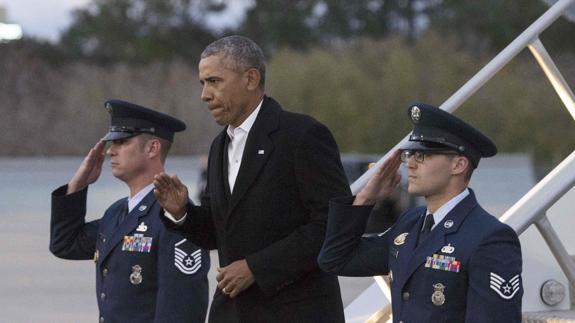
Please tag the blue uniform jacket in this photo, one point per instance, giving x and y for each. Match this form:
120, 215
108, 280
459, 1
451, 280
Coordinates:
144, 273
467, 270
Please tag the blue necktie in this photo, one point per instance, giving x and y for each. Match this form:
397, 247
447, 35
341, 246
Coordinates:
428, 222
123, 213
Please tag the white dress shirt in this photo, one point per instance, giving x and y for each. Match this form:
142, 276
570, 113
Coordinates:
440, 213
238, 136
136, 199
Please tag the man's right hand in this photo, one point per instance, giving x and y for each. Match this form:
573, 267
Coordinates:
89, 170
382, 183
172, 194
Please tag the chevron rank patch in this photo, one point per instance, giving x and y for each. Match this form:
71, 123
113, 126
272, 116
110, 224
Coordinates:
187, 263
505, 289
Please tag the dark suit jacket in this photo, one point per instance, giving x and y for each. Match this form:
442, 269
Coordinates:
275, 219
173, 271
449, 277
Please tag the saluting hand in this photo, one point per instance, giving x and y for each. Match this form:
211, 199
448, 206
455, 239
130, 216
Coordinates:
382, 183
89, 170
171, 193
235, 278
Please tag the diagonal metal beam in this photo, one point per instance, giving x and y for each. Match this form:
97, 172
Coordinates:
554, 75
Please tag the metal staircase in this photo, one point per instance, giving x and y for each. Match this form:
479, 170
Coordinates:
531, 209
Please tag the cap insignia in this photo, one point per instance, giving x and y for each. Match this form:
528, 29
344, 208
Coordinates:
415, 114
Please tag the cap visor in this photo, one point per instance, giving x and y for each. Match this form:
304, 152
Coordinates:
424, 146
116, 135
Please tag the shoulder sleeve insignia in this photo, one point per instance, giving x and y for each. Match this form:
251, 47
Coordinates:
503, 288
187, 263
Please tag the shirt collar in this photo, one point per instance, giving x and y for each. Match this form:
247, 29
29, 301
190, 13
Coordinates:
440, 213
136, 199
247, 124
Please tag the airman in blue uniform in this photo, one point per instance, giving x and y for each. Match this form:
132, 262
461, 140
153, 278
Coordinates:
144, 273
449, 261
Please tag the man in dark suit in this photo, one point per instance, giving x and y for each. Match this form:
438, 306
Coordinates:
450, 261
271, 174
144, 273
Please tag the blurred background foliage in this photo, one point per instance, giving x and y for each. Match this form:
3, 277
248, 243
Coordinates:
354, 65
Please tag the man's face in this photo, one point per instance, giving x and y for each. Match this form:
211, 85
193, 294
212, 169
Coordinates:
128, 158
430, 177
224, 90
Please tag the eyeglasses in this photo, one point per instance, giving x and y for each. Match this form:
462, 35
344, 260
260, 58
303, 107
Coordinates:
419, 155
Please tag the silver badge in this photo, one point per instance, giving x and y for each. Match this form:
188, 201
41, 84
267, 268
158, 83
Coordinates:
438, 297
142, 208
400, 239
415, 114
136, 275
142, 227
448, 249
448, 224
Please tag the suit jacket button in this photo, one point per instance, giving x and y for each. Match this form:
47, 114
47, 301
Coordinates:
103, 296
405, 296
101, 319
105, 272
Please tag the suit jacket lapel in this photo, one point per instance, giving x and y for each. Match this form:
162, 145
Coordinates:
133, 219
257, 151
217, 173
223, 158
436, 239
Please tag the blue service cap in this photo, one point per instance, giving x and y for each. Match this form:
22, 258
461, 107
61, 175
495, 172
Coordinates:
437, 130
129, 120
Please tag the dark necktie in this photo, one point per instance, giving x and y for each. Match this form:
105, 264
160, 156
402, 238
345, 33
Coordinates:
428, 222
123, 213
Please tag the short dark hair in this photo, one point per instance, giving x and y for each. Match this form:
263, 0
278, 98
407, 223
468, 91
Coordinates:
469, 170
165, 145
242, 52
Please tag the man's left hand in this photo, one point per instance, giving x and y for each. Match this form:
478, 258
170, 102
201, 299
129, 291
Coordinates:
235, 278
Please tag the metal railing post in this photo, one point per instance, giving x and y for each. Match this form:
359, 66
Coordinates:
542, 196
554, 75
557, 248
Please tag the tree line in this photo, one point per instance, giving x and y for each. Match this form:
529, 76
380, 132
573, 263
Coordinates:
354, 65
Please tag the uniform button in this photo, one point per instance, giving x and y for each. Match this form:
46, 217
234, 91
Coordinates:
400, 321
405, 296
103, 296
105, 272
101, 319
